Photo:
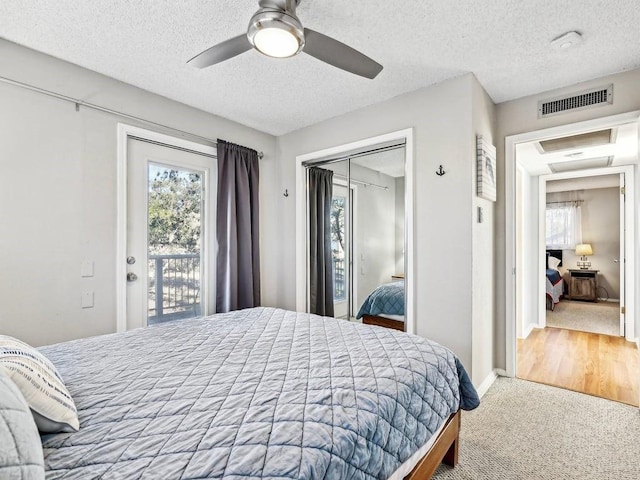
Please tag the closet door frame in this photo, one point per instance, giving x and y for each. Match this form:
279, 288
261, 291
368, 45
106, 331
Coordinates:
301, 216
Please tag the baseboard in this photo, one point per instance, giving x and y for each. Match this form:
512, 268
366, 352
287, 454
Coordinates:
486, 384
529, 329
501, 372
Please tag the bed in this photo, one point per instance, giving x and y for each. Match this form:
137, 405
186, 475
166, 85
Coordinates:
258, 393
384, 306
554, 281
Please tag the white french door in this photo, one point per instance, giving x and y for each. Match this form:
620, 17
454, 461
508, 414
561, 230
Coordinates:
170, 219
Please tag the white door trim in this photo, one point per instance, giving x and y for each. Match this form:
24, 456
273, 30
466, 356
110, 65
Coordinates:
510, 213
301, 216
628, 233
124, 132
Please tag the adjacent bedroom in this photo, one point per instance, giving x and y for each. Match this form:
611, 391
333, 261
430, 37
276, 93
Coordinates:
583, 252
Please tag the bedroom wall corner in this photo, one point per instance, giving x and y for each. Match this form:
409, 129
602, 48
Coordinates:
441, 118
483, 246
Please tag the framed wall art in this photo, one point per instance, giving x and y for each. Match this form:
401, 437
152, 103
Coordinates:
486, 174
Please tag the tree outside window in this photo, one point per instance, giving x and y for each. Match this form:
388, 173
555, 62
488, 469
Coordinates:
338, 247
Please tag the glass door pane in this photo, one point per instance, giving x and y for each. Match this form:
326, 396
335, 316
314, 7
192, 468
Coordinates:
174, 243
338, 246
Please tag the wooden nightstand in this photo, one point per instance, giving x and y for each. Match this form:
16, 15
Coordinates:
583, 285
397, 277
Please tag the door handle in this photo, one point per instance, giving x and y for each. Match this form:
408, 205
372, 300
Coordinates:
131, 277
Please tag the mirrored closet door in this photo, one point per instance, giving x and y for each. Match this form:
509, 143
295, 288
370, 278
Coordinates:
356, 236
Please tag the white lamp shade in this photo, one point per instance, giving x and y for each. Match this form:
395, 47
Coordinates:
276, 42
584, 249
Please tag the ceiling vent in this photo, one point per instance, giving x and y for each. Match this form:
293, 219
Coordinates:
581, 164
587, 99
579, 141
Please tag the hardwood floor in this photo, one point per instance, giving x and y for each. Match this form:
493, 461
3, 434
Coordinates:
591, 363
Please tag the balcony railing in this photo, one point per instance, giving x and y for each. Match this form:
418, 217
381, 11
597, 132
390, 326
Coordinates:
174, 287
339, 291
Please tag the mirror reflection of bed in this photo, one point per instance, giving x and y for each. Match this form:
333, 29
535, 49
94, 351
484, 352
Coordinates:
364, 267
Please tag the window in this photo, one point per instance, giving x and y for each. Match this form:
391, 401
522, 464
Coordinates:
338, 245
564, 226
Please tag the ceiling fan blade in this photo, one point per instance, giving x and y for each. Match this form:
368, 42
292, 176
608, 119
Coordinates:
221, 52
339, 55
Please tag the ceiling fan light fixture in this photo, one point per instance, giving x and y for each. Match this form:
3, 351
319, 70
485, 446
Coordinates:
276, 42
276, 34
276, 31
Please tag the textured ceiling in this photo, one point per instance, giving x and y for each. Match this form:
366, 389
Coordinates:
506, 44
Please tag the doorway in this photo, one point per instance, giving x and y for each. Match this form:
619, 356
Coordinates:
167, 189
369, 206
585, 275
566, 353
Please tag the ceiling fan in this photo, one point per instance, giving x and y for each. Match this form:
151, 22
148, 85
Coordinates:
276, 31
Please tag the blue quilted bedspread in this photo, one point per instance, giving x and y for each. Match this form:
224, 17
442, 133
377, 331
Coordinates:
257, 394
386, 299
553, 276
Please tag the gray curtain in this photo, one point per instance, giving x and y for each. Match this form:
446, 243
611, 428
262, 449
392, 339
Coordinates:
237, 228
320, 264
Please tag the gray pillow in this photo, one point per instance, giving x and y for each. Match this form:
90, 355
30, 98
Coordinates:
21, 455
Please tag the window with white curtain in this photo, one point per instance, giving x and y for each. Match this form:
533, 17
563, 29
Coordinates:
564, 226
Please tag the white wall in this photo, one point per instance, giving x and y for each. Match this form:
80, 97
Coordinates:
58, 191
521, 116
601, 229
441, 116
483, 245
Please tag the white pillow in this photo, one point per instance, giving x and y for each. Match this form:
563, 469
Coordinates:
40, 383
20, 447
553, 262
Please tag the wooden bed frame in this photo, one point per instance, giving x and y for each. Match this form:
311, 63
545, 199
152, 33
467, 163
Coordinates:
383, 322
444, 450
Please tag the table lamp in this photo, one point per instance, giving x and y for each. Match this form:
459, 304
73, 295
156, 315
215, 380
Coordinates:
583, 250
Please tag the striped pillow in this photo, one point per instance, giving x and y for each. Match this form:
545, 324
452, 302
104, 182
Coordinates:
40, 383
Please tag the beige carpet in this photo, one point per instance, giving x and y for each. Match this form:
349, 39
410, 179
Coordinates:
601, 317
525, 430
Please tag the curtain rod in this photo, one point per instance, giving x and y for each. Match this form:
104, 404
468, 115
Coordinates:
567, 202
93, 106
360, 182
315, 163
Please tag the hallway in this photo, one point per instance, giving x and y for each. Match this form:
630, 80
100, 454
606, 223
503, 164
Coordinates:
591, 363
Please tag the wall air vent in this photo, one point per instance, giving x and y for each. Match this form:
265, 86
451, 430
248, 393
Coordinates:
573, 103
